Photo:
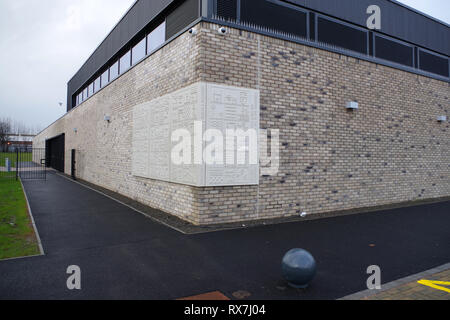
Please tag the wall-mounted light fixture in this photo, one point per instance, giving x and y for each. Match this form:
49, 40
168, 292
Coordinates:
107, 119
442, 118
352, 105
75, 130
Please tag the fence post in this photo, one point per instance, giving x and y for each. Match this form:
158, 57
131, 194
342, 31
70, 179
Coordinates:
17, 164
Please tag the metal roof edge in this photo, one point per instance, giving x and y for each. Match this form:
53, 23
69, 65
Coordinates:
106, 37
420, 12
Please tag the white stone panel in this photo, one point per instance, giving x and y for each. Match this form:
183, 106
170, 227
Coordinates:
211, 106
140, 147
232, 108
187, 106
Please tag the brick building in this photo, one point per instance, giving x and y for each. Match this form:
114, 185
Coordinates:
17, 141
292, 66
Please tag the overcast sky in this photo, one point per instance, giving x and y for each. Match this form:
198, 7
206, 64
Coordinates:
44, 42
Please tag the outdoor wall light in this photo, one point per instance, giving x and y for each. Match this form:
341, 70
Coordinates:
352, 105
107, 119
442, 118
75, 130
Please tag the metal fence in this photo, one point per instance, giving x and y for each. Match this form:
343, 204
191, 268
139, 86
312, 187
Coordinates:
24, 163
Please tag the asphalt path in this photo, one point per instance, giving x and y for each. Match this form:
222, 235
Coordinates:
124, 255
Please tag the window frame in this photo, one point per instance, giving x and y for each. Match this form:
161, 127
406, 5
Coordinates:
145, 51
99, 79
148, 43
102, 85
91, 86
118, 71
419, 49
366, 31
85, 94
120, 62
376, 34
107, 76
290, 6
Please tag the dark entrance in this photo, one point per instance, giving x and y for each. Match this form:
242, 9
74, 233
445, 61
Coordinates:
54, 152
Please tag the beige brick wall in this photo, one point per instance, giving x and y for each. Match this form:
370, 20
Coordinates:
390, 150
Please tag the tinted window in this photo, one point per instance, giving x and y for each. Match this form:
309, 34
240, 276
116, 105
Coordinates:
393, 51
91, 89
341, 35
85, 94
433, 63
274, 16
125, 62
156, 38
138, 52
97, 84
114, 71
105, 78
227, 9
182, 16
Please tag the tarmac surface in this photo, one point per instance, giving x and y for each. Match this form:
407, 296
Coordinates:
125, 255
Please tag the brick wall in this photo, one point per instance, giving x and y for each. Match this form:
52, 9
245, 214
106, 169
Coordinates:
390, 150
103, 149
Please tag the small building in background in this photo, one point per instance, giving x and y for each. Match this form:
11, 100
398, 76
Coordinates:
24, 143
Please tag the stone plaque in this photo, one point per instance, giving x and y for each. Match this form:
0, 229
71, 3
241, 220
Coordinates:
195, 110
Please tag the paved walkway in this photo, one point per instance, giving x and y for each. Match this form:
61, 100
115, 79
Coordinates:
125, 255
433, 284
416, 291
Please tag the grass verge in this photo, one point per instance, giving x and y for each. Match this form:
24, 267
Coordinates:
12, 156
17, 237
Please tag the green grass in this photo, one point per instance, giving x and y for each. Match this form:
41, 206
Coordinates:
17, 237
7, 176
12, 156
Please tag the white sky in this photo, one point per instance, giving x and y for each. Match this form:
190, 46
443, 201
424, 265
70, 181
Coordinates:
44, 42
439, 9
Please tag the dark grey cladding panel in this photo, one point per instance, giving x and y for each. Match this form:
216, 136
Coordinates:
142, 12
262, 13
397, 20
181, 17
